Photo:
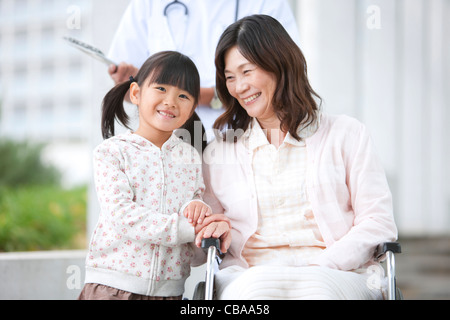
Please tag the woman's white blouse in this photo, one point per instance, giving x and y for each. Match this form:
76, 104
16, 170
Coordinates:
287, 232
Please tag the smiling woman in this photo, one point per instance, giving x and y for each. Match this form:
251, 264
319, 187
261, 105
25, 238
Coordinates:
252, 86
316, 202
256, 72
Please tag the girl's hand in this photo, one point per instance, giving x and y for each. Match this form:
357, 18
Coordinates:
196, 212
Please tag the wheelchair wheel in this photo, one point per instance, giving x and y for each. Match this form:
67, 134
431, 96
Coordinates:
398, 294
199, 292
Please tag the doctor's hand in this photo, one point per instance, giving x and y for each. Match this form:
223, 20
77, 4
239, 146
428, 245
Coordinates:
122, 72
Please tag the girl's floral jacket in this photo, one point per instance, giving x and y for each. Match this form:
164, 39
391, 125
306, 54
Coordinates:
142, 243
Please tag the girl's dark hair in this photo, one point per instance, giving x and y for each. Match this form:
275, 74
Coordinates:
263, 41
166, 67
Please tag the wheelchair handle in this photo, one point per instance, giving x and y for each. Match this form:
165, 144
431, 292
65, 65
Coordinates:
210, 242
385, 247
212, 247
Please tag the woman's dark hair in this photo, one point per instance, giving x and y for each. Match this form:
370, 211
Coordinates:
167, 67
263, 41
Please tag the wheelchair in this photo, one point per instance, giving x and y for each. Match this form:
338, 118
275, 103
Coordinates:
385, 252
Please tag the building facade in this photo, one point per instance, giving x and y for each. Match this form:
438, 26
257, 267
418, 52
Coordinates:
385, 62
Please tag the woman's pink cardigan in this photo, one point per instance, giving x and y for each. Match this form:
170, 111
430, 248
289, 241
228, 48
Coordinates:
346, 186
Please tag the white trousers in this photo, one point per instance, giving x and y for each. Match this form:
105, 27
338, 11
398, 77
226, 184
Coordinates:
269, 282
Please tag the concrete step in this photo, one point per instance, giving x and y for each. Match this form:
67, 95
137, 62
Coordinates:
423, 268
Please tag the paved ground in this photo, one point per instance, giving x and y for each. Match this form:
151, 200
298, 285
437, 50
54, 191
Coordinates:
423, 268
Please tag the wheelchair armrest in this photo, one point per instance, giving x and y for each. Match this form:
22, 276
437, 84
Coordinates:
382, 248
388, 250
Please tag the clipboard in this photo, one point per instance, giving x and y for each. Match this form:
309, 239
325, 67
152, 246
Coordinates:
90, 50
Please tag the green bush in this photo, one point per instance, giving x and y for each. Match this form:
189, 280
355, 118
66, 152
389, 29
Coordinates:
35, 212
42, 218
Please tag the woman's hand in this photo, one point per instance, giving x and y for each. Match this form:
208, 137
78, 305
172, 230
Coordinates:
215, 226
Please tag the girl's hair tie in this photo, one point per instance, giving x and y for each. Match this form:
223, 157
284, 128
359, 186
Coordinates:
132, 79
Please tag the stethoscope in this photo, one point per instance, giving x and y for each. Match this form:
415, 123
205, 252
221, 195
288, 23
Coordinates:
186, 11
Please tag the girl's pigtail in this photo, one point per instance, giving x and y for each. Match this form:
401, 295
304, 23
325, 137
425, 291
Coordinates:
112, 108
192, 126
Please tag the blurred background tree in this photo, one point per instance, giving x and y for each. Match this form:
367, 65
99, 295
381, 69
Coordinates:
36, 213
21, 164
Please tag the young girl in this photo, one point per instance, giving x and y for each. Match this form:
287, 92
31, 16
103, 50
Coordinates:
149, 185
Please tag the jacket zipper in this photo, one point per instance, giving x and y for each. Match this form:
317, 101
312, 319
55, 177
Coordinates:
162, 208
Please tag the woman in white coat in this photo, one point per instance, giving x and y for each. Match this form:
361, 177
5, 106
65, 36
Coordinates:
192, 27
